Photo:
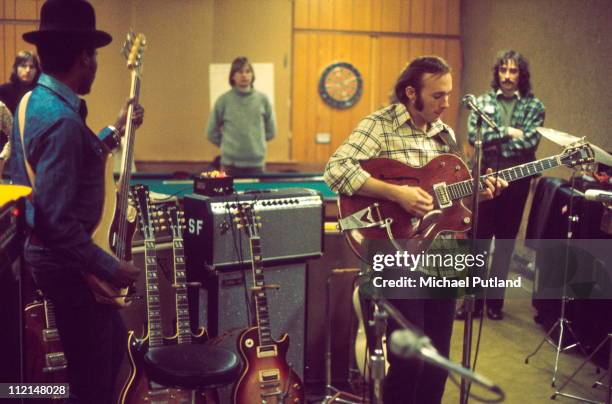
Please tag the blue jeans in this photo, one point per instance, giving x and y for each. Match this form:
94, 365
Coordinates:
93, 335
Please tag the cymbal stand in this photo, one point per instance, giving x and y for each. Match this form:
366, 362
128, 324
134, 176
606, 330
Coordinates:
332, 394
562, 323
608, 339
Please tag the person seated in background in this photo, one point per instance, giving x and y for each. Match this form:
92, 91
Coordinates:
6, 125
241, 123
25, 73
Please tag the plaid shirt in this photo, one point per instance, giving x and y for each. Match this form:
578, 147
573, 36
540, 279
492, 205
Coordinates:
528, 114
385, 133
388, 133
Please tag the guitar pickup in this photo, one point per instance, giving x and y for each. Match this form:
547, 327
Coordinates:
55, 361
50, 335
269, 375
441, 194
267, 351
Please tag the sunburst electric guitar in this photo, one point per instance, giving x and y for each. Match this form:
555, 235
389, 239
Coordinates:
115, 230
267, 377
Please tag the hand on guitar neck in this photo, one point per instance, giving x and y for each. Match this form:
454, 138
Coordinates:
414, 199
137, 115
126, 274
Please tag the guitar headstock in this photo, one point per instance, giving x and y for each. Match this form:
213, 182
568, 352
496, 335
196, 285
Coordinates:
577, 154
176, 220
133, 49
246, 219
141, 197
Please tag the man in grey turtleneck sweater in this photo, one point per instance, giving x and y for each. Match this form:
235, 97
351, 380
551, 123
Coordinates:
242, 122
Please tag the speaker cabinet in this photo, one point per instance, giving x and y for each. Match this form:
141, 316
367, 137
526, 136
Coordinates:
225, 312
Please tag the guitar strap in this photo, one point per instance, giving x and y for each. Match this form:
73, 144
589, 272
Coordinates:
451, 143
23, 106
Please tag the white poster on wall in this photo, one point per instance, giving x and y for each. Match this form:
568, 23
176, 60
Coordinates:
219, 83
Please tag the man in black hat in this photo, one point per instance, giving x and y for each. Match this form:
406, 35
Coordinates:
67, 160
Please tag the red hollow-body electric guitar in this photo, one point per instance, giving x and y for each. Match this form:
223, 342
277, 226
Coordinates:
448, 180
267, 377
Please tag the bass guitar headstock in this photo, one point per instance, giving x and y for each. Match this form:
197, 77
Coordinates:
133, 50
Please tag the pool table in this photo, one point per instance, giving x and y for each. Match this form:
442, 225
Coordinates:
180, 184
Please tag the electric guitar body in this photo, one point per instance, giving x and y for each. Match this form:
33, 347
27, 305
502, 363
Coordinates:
267, 377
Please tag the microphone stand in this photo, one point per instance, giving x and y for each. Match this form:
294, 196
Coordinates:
377, 358
469, 299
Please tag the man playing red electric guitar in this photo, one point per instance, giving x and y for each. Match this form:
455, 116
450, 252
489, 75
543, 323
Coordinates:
411, 132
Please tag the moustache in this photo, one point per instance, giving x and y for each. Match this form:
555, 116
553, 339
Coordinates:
508, 82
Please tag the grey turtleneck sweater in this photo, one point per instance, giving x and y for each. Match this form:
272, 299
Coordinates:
240, 124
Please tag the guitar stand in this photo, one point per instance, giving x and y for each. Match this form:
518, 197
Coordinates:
608, 339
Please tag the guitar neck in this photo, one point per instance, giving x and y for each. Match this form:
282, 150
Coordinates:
260, 297
125, 176
465, 188
183, 325
128, 154
49, 314
153, 302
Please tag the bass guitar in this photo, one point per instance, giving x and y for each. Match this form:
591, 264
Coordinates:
267, 377
117, 224
138, 388
448, 180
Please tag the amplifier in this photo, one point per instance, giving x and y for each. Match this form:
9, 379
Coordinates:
291, 228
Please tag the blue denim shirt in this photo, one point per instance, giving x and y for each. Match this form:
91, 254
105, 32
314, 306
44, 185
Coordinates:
68, 160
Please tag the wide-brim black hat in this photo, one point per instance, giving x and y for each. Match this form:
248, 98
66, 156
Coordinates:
62, 20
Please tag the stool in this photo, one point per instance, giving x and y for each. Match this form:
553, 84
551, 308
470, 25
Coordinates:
192, 366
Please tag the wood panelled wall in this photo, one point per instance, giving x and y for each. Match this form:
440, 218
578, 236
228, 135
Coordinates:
379, 37
16, 17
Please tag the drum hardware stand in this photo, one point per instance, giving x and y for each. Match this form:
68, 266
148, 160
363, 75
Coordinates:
608, 339
332, 394
562, 322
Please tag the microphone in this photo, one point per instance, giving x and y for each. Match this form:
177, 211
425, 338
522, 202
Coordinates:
406, 343
597, 195
469, 100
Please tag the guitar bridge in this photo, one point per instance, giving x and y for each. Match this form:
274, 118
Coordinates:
442, 197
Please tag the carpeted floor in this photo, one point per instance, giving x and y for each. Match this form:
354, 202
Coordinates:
504, 346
